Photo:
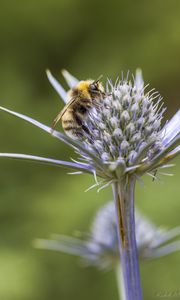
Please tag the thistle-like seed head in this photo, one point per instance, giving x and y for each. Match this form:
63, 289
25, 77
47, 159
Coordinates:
126, 124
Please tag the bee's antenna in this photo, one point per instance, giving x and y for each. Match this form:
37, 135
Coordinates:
98, 79
55, 121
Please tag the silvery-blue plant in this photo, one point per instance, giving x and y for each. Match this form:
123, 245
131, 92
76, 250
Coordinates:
99, 247
126, 140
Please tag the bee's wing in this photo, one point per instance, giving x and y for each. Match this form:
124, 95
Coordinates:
62, 112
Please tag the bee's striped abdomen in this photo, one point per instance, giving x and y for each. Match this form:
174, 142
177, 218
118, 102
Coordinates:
71, 126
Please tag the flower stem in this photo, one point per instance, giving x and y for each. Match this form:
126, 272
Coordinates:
124, 200
120, 282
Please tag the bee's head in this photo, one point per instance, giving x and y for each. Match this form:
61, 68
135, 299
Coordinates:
90, 88
96, 88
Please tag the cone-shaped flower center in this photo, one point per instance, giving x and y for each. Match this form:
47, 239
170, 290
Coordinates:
127, 122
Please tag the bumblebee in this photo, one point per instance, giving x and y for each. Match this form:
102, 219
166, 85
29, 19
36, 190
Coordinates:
81, 99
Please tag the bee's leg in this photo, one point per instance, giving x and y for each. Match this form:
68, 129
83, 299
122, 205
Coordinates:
85, 129
154, 175
77, 134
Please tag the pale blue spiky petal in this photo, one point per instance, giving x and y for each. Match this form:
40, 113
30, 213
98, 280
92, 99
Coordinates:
56, 162
72, 143
166, 236
57, 86
175, 151
65, 244
139, 82
166, 249
71, 80
171, 129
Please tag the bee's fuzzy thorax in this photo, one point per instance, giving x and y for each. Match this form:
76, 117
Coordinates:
83, 88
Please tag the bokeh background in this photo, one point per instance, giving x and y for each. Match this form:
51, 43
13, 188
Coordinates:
89, 38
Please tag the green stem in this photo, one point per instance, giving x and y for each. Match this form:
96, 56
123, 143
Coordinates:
124, 200
120, 282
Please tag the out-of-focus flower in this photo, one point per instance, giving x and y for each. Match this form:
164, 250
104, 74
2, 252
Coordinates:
100, 246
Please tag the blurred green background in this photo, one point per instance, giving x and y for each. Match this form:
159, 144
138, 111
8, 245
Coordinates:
89, 38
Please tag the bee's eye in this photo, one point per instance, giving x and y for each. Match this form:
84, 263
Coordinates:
93, 87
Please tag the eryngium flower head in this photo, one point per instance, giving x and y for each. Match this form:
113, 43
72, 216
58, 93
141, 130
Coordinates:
101, 246
127, 124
